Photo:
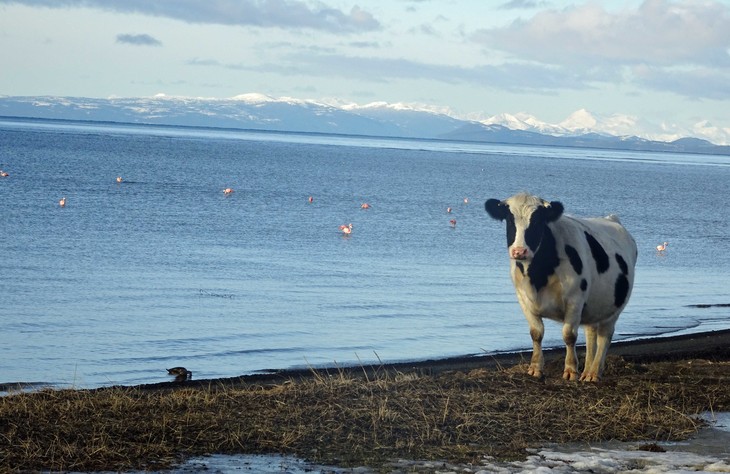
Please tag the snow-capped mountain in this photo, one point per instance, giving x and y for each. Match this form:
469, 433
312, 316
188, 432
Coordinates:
262, 112
616, 125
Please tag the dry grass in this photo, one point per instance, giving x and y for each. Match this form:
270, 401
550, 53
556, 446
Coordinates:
349, 420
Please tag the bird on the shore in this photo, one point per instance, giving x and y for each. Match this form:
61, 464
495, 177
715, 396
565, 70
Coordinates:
662, 247
228, 191
365, 206
3, 174
181, 374
119, 179
346, 229
62, 202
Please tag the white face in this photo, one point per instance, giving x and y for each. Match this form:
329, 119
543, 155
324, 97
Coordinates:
525, 226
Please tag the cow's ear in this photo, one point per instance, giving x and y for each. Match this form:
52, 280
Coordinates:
496, 209
555, 210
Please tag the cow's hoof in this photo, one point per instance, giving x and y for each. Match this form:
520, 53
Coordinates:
535, 372
570, 374
588, 377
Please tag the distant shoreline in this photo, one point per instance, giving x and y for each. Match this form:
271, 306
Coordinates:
469, 132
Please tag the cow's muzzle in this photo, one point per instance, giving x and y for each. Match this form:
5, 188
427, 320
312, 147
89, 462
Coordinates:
518, 253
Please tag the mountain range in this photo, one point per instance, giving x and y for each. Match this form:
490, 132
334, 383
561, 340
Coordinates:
261, 112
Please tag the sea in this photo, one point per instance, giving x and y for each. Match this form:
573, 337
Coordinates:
164, 269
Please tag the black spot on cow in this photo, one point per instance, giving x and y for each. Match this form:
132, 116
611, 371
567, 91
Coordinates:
520, 267
599, 255
545, 260
538, 223
511, 229
496, 209
500, 211
536, 228
574, 258
622, 264
583, 284
621, 290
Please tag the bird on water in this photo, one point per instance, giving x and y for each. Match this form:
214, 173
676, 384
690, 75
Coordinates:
181, 374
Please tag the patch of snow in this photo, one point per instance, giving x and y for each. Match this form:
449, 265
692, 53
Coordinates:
710, 132
579, 121
399, 107
253, 98
692, 456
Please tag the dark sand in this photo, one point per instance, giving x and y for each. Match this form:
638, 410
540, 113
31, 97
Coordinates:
713, 345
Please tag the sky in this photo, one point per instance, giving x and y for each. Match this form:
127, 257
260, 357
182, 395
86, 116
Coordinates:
659, 64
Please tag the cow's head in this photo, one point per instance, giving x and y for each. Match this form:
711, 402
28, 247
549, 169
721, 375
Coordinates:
527, 218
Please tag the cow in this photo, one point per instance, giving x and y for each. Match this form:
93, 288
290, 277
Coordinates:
574, 271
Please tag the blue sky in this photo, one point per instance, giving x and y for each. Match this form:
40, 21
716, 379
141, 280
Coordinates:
666, 62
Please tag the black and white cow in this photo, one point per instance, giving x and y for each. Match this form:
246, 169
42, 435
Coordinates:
570, 270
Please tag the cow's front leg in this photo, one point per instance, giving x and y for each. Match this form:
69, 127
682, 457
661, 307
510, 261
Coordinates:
537, 330
570, 336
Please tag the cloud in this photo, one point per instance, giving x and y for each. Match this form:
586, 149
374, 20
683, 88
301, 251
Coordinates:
138, 40
294, 14
660, 32
513, 77
696, 83
518, 4
677, 46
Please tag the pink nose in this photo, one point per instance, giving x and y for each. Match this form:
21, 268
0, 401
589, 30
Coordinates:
518, 253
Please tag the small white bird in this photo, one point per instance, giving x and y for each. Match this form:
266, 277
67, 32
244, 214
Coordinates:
346, 229
62, 202
662, 247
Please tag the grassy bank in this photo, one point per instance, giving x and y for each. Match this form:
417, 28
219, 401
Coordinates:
349, 419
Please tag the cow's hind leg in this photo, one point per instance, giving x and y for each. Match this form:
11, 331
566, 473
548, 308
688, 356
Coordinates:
594, 366
590, 332
570, 336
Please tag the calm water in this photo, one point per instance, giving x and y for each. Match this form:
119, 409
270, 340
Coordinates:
164, 270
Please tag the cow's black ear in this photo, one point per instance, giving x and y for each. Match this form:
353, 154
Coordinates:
555, 210
496, 209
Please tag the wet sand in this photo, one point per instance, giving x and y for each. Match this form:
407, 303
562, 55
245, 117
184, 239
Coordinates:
711, 345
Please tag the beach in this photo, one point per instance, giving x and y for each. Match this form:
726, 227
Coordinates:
457, 412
